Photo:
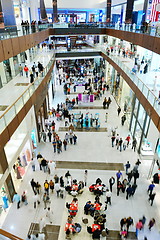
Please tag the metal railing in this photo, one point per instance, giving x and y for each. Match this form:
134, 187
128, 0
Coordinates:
15, 108
152, 99
19, 30
4, 235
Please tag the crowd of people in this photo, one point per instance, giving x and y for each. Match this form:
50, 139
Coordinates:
33, 72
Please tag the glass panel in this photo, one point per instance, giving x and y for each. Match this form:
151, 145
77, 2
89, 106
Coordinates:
141, 115
140, 85
145, 91
151, 98
10, 115
32, 89
26, 96
136, 106
2, 124
18, 105
133, 124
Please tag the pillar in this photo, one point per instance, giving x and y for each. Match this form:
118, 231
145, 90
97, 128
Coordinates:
3, 74
1, 16
34, 10
12, 67
45, 109
8, 12
9, 187
43, 11
55, 16
145, 7
108, 12
129, 11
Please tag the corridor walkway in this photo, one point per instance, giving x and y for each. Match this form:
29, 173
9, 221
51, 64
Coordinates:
11, 92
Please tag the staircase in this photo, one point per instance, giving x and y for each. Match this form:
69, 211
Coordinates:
4, 235
114, 235
51, 231
73, 41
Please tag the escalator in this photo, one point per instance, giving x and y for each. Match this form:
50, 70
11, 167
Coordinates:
4, 235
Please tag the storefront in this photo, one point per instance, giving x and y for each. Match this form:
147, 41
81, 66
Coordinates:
139, 126
21, 164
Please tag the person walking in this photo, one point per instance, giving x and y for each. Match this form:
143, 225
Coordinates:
33, 163
136, 176
127, 166
134, 187
44, 136
151, 223
134, 144
118, 175
108, 197
57, 189
20, 70
150, 188
74, 139
119, 145
49, 215
33, 185
119, 187
17, 199
113, 140
129, 192
85, 177
51, 185
42, 224
152, 197
44, 165
54, 143
26, 70
49, 136
123, 119
130, 175
129, 223
118, 110
128, 139
36, 200
45, 200
111, 183
139, 226
24, 198
46, 187
52, 167
71, 138
65, 144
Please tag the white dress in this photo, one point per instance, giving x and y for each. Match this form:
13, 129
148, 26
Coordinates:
52, 167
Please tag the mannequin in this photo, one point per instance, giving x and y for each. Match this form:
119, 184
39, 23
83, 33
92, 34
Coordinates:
5, 201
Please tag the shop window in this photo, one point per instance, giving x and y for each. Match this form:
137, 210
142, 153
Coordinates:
141, 115
16, 65
136, 106
7, 69
1, 83
133, 125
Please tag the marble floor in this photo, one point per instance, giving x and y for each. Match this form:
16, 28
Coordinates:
92, 148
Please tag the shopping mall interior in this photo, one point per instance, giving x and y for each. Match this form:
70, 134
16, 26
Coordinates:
80, 130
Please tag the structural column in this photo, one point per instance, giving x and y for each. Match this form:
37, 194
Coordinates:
145, 6
55, 16
8, 12
43, 11
108, 13
129, 11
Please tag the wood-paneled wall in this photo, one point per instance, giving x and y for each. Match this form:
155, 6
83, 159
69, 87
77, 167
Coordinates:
13, 46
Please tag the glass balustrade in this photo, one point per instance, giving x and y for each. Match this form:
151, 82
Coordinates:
9, 115
19, 30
